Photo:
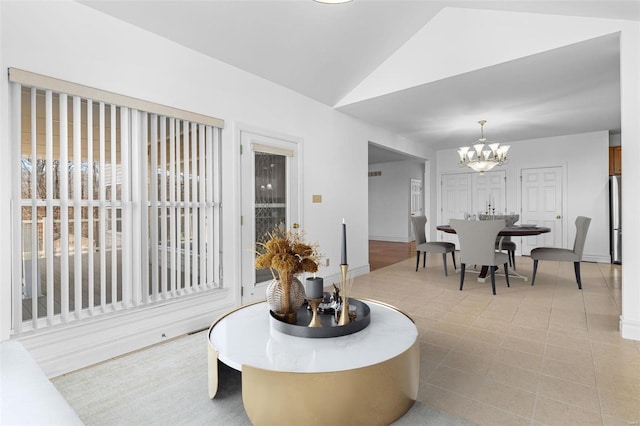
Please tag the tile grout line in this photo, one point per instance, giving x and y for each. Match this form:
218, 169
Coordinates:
593, 358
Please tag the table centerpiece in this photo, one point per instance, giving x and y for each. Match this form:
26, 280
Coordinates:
287, 255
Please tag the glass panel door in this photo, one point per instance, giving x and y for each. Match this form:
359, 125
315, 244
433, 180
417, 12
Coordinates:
270, 199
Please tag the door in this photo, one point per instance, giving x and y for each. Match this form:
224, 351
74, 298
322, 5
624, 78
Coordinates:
456, 200
416, 197
416, 201
489, 190
270, 192
542, 204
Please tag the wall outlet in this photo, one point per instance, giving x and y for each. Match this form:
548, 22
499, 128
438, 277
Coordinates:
327, 262
316, 198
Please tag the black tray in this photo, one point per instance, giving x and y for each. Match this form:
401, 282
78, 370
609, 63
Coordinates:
330, 327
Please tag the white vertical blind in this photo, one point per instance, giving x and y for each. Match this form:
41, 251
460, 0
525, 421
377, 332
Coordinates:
153, 196
64, 209
194, 203
49, 219
103, 209
179, 211
77, 210
143, 184
202, 204
173, 234
90, 207
128, 276
34, 212
211, 230
186, 248
120, 207
16, 215
216, 190
113, 207
162, 171
137, 158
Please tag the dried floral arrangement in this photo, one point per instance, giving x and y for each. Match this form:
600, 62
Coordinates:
287, 253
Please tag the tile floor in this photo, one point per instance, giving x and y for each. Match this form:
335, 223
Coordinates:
543, 355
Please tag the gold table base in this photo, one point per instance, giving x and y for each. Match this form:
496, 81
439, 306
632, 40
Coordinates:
376, 394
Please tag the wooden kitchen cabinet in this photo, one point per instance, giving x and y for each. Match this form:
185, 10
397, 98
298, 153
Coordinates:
615, 160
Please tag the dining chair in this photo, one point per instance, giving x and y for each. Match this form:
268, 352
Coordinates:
477, 246
507, 244
562, 254
424, 246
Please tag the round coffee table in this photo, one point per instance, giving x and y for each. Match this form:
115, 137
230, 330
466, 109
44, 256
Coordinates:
367, 377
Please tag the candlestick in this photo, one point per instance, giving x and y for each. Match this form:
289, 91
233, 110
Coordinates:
315, 321
314, 287
344, 312
343, 257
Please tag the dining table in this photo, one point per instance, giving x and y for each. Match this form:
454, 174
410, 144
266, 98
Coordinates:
509, 231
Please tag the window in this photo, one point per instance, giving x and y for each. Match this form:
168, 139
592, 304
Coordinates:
118, 207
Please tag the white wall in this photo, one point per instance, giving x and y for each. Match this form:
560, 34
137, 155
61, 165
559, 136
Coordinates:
586, 158
69, 41
390, 200
630, 141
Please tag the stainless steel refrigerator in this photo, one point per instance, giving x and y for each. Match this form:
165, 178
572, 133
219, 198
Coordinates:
615, 218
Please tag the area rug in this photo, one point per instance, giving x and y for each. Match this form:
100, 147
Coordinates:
166, 384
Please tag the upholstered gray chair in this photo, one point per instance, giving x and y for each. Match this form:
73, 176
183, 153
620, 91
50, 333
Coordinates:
507, 245
477, 241
510, 247
565, 255
425, 247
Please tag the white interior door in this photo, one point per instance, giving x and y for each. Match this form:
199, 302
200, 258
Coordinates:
542, 204
489, 188
271, 198
416, 197
456, 200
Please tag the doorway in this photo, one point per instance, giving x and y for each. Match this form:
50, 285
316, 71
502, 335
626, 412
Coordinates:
270, 191
417, 208
543, 204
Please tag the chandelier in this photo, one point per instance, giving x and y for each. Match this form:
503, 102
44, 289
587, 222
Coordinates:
483, 156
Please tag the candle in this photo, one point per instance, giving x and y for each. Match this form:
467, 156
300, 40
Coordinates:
314, 288
343, 258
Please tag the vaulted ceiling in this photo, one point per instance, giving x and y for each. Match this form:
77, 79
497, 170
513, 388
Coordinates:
414, 66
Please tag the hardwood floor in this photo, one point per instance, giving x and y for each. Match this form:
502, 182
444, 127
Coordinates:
385, 253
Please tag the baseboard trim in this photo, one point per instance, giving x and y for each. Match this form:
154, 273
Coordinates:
391, 239
60, 350
336, 278
629, 329
596, 258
